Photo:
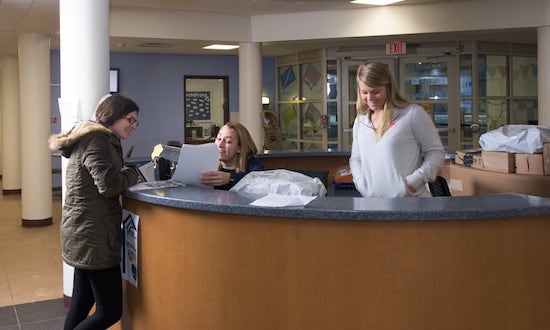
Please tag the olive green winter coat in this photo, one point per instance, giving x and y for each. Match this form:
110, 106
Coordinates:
91, 220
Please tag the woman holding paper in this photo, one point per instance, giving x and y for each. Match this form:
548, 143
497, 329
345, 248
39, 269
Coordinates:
237, 153
92, 214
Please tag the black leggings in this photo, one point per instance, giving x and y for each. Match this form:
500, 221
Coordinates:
102, 287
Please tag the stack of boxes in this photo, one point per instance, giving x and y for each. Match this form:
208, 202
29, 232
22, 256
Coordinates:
500, 172
499, 161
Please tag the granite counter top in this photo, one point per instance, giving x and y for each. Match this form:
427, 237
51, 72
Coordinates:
319, 153
353, 208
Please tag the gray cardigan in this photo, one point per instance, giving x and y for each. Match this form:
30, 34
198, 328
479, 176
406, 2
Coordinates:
410, 150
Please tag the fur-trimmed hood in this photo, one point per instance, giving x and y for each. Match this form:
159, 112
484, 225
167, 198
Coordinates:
66, 141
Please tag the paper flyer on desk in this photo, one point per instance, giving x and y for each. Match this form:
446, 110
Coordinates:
276, 200
129, 266
193, 160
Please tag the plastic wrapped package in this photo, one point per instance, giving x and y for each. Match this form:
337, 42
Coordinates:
282, 182
528, 139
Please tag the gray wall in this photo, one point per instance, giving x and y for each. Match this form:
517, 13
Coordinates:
155, 82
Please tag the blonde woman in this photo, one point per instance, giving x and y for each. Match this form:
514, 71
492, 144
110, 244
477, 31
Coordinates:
237, 153
396, 148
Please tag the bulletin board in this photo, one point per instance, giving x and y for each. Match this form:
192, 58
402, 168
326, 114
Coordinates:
206, 105
198, 106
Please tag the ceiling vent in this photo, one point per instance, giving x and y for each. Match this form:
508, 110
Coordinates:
156, 45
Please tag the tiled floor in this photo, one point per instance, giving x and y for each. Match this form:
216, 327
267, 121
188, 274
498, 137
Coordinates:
31, 271
42, 315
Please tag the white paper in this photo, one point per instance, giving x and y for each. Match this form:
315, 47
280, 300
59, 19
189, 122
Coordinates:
147, 171
155, 185
193, 160
276, 200
70, 112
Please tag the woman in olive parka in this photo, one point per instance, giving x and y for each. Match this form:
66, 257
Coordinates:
91, 218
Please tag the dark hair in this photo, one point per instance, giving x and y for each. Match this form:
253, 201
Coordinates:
113, 108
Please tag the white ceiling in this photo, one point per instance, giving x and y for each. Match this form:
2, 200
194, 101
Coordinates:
42, 16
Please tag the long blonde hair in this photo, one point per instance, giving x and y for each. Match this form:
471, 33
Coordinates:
248, 147
377, 75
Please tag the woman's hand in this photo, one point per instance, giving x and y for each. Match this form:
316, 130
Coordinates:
410, 188
215, 178
131, 175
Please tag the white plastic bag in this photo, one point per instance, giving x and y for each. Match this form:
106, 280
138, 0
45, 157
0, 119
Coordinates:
282, 182
528, 139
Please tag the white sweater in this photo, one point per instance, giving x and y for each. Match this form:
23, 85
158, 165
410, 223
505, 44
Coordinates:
411, 150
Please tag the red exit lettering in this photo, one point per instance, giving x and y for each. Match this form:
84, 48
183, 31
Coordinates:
397, 47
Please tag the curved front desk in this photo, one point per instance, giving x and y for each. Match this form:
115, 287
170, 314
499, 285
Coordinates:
208, 260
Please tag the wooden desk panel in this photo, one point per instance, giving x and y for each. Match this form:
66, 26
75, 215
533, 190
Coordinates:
203, 270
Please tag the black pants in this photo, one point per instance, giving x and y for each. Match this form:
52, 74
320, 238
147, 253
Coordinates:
102, 287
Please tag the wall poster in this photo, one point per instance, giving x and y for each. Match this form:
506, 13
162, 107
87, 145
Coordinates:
198, 106
129, 263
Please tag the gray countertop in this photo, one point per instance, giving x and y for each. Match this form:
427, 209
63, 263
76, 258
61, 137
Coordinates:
353, 208
319, 153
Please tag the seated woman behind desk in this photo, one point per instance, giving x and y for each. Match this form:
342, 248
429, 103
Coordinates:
237, 157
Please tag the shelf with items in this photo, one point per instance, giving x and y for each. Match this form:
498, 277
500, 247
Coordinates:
426, 81
426, 88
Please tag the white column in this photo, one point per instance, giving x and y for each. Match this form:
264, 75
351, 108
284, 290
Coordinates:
11, 143
250, 90
1, 146
543, 58
84, 63
34, 100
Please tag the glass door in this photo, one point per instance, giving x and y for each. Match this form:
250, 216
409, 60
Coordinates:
432, 83
470, 126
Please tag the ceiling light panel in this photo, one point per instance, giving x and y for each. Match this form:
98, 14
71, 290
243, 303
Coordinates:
221, 47
376, 2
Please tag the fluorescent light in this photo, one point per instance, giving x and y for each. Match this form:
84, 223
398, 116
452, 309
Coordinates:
221, 47
376, 2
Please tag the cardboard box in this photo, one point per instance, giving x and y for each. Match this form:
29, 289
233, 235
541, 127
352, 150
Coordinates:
343, 175
465, 157
477, 162
469, 181
529, 164
546, 158
498, 161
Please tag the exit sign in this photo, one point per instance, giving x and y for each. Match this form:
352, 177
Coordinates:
396, 47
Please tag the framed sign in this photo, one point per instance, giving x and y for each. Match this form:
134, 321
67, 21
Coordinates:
114, 80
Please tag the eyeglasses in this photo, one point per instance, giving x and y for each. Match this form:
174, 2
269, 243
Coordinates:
132, 120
